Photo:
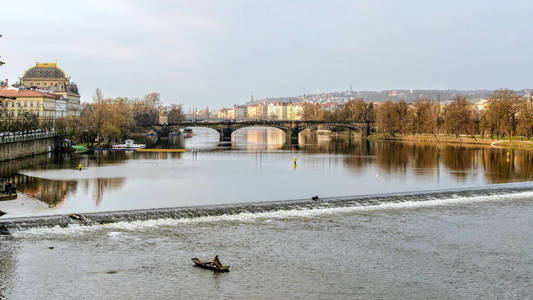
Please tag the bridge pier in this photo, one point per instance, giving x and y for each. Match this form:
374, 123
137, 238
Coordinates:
225, 135
291, 137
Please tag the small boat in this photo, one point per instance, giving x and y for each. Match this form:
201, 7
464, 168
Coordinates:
129, 144
79, 149
187, 133
204, 264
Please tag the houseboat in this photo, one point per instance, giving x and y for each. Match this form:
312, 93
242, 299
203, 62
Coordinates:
129, 144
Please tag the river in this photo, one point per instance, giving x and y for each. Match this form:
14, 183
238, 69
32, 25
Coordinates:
461, 244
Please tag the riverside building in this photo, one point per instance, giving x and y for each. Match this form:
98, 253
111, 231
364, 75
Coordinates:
15, 103
50, 78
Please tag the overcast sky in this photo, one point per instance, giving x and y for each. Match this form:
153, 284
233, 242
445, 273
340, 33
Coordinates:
218, 52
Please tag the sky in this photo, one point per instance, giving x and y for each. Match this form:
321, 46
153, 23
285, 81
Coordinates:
217, 53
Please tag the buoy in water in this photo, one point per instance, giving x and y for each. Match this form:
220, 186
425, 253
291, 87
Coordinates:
80, 167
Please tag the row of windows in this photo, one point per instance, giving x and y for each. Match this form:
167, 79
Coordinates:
18, 113
44, 83
21, 104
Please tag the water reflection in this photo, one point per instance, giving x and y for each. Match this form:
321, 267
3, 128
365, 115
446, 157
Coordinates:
258, 138
51, 192
210, 173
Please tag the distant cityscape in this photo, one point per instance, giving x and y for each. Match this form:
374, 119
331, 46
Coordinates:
292, 108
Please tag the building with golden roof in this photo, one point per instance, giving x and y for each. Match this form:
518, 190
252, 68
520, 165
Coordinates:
48, 76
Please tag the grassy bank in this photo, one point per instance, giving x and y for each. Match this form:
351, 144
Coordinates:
517, 142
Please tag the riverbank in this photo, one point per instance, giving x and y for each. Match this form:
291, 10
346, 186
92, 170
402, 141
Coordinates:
463, 140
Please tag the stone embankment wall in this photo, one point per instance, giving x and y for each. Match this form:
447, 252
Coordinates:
18, 149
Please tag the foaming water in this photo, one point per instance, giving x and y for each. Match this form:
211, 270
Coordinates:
267, 216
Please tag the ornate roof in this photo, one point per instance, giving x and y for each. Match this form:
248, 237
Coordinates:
26, 93
45, 71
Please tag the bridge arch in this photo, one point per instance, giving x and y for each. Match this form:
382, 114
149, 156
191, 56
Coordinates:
285, 129
213, 128
265, 137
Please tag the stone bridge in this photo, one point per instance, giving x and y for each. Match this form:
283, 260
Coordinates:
291, 128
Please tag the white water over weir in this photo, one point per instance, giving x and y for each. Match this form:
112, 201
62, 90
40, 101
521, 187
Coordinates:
510, 191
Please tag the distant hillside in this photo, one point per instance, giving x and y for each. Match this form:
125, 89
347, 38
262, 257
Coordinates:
393, 95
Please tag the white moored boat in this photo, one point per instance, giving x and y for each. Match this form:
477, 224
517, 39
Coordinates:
129, 144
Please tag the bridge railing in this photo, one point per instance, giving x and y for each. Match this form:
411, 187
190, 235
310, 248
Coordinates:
26, 137
238, 122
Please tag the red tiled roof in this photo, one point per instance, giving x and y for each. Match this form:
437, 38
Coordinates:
27, 93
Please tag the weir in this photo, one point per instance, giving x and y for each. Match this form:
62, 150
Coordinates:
9, 225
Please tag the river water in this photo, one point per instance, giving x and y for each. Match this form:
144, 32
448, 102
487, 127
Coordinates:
464, 245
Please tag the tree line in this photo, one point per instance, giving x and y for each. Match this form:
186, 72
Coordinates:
506, 114
108, 120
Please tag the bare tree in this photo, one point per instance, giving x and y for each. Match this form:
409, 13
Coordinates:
502, 112
175, 113
458, 116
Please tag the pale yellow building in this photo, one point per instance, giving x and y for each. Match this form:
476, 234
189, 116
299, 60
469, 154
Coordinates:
257, 111
225, 113
20, 103
48, 76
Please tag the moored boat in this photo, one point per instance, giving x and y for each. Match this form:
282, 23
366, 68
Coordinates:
187, 133
79, 149
129, 144
204, 264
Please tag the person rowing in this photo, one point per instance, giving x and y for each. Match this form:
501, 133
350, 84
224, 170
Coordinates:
216, 262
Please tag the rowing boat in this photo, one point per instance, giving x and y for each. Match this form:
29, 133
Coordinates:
204, 264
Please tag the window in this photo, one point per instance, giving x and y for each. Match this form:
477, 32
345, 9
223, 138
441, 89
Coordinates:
31, 104
38, 83
25, 104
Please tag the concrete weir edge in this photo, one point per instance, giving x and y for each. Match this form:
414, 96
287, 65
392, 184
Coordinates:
7, 225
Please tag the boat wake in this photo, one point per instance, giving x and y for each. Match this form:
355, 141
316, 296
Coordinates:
251, 212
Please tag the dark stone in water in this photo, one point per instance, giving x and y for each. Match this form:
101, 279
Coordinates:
111, 272
50, 247
4, 230
2, 213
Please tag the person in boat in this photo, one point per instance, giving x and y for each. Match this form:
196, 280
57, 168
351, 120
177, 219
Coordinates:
216, 262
